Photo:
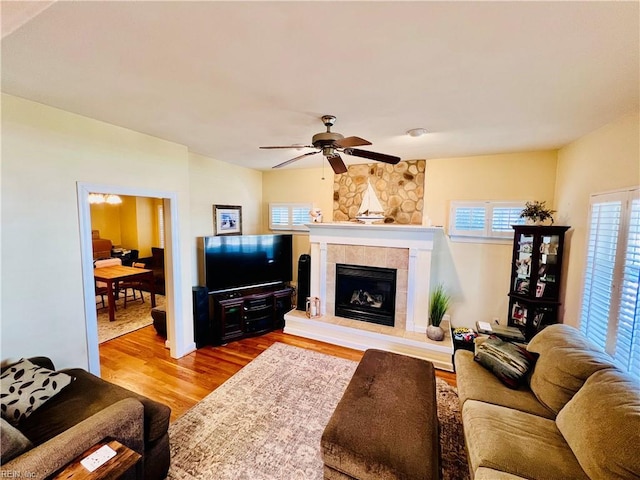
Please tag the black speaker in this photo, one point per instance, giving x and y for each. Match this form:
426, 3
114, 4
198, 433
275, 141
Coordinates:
304, 280
202, 334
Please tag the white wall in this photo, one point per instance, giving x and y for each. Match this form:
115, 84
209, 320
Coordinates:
45, 151
605, 160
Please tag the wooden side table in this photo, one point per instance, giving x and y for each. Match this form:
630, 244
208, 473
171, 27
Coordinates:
114, 468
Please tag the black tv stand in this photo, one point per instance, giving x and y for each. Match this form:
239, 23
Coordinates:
248, 312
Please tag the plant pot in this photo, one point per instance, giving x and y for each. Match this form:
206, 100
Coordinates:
536, 222
435, 333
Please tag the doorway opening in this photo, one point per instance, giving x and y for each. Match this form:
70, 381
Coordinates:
173, 300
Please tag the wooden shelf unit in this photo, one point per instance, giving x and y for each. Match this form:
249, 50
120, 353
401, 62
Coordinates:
536, 272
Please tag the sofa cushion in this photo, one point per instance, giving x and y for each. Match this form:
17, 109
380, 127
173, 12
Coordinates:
25, 387
601, 424
517, 443
477, 383
86, 396
565, 360
12, 442
509, 362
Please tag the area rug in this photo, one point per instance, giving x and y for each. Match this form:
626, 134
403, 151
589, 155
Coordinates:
137, 315
266, 421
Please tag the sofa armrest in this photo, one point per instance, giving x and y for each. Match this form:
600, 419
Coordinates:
122, 421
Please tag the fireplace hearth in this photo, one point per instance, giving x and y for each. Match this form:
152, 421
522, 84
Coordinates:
366, 293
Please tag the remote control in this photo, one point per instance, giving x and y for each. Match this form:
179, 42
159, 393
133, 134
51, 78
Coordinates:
97, 458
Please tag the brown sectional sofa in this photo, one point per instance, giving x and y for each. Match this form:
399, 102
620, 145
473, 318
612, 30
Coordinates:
578, 416
84, 413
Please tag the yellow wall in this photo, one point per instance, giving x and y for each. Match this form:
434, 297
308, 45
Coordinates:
605, 160
131, 225
145, 225
219, 183
476, 274
127, 221
106, 219
298, 186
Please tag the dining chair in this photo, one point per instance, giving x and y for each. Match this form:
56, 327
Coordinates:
132, 285
102, 287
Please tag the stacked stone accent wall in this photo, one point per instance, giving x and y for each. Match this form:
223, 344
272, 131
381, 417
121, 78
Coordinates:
400, 189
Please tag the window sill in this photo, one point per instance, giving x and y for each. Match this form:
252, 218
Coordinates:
495, 240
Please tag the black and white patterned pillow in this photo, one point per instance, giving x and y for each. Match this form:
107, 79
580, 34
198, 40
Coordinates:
24, 387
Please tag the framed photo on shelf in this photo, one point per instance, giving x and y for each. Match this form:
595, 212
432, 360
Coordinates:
227, 220
521, 286
519, 314
540, 290
537, 320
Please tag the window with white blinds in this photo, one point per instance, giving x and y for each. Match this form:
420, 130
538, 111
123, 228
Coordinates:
160, 218
482, 221
289, 216
610, 299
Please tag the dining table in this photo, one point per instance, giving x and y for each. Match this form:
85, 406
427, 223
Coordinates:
114, 274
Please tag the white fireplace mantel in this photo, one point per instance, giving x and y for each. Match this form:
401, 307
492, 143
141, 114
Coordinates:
419, 241
408, 335
387, 235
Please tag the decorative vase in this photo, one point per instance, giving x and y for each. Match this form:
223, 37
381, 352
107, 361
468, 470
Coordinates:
435, 333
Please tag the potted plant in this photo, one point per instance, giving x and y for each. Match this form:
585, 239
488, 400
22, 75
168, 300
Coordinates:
537, 212
439, 302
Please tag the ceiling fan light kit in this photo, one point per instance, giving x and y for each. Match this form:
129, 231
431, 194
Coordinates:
331, 144
416, 132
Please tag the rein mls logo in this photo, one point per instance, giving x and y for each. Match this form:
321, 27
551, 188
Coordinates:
16, 474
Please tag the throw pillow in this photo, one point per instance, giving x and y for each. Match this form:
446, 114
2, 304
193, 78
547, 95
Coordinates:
508, 361
24, 387
12, 442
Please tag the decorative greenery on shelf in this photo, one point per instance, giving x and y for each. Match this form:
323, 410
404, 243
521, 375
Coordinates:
537, 212
438, 305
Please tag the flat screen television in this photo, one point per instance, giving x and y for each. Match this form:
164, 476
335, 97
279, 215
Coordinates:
232, 262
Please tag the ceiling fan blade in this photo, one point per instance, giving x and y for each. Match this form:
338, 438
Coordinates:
288, 146
336, 163
296, 158
352, 142
378, 157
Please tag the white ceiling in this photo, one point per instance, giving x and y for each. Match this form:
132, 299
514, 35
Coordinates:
224, 78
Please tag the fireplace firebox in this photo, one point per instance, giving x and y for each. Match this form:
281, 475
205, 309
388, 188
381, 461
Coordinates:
366, 293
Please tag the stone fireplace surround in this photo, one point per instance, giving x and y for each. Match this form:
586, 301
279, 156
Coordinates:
406, 248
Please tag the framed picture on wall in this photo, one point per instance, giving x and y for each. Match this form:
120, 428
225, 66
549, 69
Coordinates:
227, 220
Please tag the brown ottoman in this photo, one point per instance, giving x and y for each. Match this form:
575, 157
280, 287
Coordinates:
159, 316
386, 424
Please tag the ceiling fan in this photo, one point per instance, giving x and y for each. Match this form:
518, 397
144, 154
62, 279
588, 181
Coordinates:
330, 144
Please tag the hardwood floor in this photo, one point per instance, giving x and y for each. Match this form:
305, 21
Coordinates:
140, 362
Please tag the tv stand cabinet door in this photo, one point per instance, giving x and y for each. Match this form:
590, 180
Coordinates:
282, 303
230, 318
